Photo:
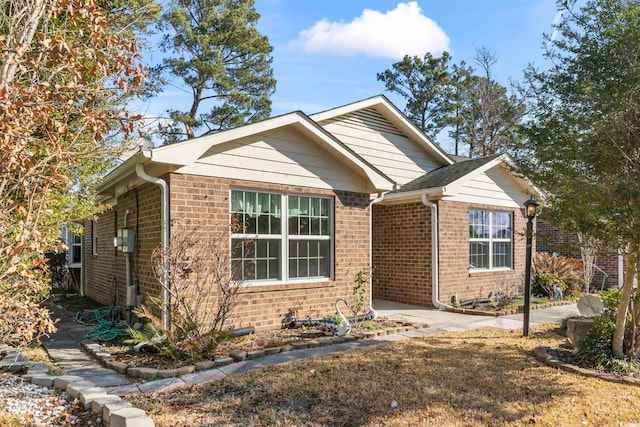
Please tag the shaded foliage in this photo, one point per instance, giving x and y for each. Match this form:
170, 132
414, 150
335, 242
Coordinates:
568, 273
583, 136
63, 71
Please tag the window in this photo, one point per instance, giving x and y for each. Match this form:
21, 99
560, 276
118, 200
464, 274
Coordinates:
94, 236
270, 245
490, 234
75, 249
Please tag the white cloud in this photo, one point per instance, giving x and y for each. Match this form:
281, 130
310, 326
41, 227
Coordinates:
404, 30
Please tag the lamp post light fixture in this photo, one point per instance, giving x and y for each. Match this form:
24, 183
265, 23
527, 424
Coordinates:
530, 210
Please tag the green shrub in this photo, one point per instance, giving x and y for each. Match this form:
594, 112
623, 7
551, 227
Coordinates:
596, 347
567, 272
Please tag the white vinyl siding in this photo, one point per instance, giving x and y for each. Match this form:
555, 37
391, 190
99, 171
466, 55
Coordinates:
283, 156
496, 187
381, 144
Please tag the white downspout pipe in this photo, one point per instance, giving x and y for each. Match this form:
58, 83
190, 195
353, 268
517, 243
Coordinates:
378, 199
164, 220
435, 284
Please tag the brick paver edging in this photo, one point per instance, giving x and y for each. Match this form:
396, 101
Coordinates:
542, 354
113, 410
514, 310
103, 355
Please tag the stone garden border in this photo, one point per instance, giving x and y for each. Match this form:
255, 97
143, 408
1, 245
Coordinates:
103, 355
542, 354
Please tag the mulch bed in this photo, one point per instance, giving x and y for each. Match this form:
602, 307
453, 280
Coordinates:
256, 341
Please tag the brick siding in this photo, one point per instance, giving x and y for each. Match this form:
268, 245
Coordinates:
455, 276
206, 200
105, 273
402, 254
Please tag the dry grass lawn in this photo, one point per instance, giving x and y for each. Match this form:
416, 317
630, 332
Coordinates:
484, 377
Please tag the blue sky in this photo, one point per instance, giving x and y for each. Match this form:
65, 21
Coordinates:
327, 53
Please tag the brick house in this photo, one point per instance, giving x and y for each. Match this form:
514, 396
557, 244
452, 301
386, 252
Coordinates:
324, 196
608, 269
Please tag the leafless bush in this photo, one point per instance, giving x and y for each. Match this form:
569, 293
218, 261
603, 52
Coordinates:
203, 290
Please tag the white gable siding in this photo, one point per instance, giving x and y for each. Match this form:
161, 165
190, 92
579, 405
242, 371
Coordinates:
284, 156
381, 144
495, 186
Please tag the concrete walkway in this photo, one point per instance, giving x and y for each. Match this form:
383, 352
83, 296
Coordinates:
439, 320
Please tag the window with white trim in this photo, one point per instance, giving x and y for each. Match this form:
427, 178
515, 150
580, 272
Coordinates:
280, 237
490, 239
75, 249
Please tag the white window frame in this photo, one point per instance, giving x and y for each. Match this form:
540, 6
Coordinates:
285, 237
490, 240
75, 247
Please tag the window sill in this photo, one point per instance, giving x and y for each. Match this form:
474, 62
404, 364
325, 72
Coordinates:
479, 272
253, 287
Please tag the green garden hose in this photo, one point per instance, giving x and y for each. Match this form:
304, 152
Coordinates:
107, 328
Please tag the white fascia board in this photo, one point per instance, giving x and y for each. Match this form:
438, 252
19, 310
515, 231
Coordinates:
120, 171
391, 112
533, 190
186, 152
409, 196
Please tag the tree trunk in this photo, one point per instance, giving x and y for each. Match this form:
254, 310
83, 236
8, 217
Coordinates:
20, 29
588, 260
630, 260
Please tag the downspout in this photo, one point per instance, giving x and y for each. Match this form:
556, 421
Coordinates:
435, 284
373, 202
164, 220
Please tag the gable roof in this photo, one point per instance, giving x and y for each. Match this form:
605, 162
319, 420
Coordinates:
447, 180
445, 175
385, 107
171, 157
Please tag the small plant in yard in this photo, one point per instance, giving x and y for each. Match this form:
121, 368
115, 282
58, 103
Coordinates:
335, 318
203, 292
507, 293
370, 325
359, 294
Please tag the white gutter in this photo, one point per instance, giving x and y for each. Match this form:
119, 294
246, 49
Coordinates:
406, 195
435, 284
164, 220
374, 201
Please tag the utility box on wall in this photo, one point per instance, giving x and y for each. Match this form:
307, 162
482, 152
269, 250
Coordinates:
125, 240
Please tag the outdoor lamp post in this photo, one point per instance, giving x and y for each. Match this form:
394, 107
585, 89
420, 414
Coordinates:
530, 209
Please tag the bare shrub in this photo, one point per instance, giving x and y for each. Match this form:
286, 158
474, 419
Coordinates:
203, 290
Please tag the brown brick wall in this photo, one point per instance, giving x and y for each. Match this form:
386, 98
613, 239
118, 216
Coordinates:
100, 270
455, 277
553, 239
206, 200
402, 254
